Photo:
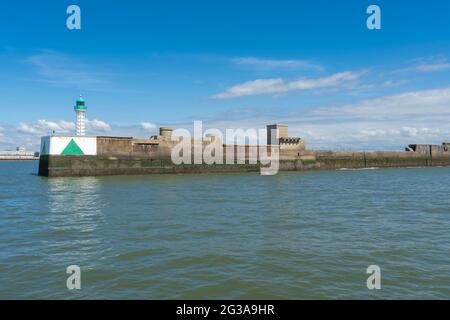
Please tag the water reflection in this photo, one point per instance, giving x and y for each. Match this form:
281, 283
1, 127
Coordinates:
75, 211
77, 196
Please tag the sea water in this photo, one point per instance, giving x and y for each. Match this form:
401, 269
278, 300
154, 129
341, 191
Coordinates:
296, 235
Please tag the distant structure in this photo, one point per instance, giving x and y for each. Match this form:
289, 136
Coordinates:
80, 109
165, 133
281, 131
428, 149
19, 154
282, 138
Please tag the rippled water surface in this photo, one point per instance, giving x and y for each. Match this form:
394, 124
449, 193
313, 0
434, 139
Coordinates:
294, 235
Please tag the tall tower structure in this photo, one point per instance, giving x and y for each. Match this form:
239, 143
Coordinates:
80, 109
281, 131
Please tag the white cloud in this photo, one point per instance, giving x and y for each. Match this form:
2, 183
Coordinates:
147, 126
26, 128
97, 125
426, 65
45, 126
275, 64
433, 67
278, 86
419, 103
403, 131
425, 68
255, 87
411, 132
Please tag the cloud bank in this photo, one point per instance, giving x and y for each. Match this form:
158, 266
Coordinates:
148, 126
280, 86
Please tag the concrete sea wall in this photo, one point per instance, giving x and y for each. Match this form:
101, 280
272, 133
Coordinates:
62, 166
59, 166
99, 156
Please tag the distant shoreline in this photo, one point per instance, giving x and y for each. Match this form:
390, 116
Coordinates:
18, 159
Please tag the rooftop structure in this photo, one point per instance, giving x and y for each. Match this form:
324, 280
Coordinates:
281, 131
278, 134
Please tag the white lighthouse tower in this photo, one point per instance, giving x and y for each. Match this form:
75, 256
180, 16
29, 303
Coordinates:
80, 109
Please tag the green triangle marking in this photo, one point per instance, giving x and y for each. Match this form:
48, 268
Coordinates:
72, 149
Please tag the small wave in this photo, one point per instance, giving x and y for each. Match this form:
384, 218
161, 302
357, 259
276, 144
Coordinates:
358, 169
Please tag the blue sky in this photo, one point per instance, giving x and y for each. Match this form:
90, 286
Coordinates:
233, 64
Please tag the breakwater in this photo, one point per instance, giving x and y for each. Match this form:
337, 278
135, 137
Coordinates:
101, 156
57, 166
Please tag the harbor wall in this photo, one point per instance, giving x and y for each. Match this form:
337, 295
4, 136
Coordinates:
127, 156
57, 166
61, 166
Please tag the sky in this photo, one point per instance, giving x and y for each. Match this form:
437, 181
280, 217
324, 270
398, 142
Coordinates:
313, 65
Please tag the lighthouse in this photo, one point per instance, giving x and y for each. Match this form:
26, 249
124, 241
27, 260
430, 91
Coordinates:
80, 109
